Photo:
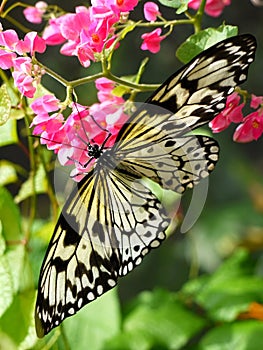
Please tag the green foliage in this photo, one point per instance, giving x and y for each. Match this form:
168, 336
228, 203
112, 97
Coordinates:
202, 40
180, 5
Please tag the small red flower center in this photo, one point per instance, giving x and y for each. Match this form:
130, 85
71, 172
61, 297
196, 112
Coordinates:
120, 2
95, 37
255, 124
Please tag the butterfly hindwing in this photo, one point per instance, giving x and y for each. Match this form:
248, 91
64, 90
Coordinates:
175, 164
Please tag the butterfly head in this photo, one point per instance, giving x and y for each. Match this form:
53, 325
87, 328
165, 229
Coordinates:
94, 151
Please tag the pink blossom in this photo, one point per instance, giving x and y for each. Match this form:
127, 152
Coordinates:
34, 14
122, 5
151, 11
32, 43
45, 104
50, 128
85, 55
213, 8
6, 59
24, 83
251, 129
231, 113
152, 40
71, 25
256, 101
105, 87
9, 39
25, 74
52, 33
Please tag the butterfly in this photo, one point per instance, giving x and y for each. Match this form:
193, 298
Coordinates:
112, 220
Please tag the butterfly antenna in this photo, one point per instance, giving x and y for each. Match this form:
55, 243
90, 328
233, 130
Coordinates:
81, 122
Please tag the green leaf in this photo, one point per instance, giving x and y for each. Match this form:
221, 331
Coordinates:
7, 173
6, 283
34, 185
95, 323
174, 3
11, 270
8, 133
229, 290
17, 322
5, 105
15, 256
10, 217
2, 241
183, 7
158, 320
201, 41
120, 90
128, 28
244, 335
6, 342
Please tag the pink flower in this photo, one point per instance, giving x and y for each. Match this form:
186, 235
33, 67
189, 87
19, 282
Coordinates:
231, 113
251, 129
151, 11
85, 55
213, 8
256, 101
32, 43
152, 40
52, 33
122, 5
34, 14
6, 59
105, 87
9, 39
45, 104
24, 83
110, 116
25, 74
50, 128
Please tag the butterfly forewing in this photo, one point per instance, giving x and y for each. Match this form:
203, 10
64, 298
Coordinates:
111, 220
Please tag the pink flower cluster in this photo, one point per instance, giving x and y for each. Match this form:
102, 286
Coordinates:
213, 8
251, 127
88, 31
152, 40
13, 54
70, 138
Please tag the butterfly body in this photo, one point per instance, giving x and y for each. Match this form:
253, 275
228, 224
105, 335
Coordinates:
112, 220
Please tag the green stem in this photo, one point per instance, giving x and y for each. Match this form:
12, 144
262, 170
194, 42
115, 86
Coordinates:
16, 4
198, 17
32, 209
175, 22
52, 74
106, 74
17, 24
50, 187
